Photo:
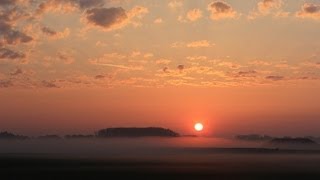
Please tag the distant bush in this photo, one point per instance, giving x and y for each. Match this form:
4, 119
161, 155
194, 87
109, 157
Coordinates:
7, 135
254, 137
288, 140
136, 132
49, 137
78, 136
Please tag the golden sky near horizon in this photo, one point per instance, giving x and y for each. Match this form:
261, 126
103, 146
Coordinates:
233, 64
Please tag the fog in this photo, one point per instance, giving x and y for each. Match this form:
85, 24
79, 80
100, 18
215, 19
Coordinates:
114, 146
154, 148
156, 158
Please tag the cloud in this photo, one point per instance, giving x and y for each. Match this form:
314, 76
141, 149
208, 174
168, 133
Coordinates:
229, 65
9, 19
5, 83
107, 18
174, 4
101, 44
197, 58
266, 7
281, 14
48, 31
163, 61
10, 36
221, 10
9, 54
182, 19
309, 10
49, 84
108, 58
67, 6
4, 26
12, 15
112, 60
16, 72
304, 78
193, 44
62, 56
203, 70
177, 45
199, 44
54, 34
148, 55
135, 54
251, 73
134, 61
99, 77
8, 2
158, 21
136, 12
83, 4
65, 57
275, 78
134, 68
180, 67
194, 14
260, 63
16, 37
113, 18
312, 64
64, 6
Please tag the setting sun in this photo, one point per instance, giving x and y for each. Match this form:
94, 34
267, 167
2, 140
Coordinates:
198, 127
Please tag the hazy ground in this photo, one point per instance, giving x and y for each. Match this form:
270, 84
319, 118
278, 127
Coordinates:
155, 158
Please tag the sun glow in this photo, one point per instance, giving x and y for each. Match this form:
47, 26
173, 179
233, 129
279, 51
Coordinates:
198, 127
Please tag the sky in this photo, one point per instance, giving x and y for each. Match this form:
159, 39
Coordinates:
239, 67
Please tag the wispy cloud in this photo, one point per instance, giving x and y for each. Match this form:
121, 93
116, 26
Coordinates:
54, 34
193, 44
158, 21
135, 68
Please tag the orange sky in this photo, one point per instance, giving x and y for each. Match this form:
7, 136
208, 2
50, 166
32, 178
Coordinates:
224, 111
79, 65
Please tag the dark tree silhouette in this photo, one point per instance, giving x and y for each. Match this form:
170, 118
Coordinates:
78, 136
7, 135
136, 132
288, 140
254, 137
53, 136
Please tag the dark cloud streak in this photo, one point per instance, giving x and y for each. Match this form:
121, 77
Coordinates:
107, 18
48, 31
275, 78
9, 54
5, 83
49, 84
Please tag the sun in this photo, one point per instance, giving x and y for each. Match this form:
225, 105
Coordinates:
198, 127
